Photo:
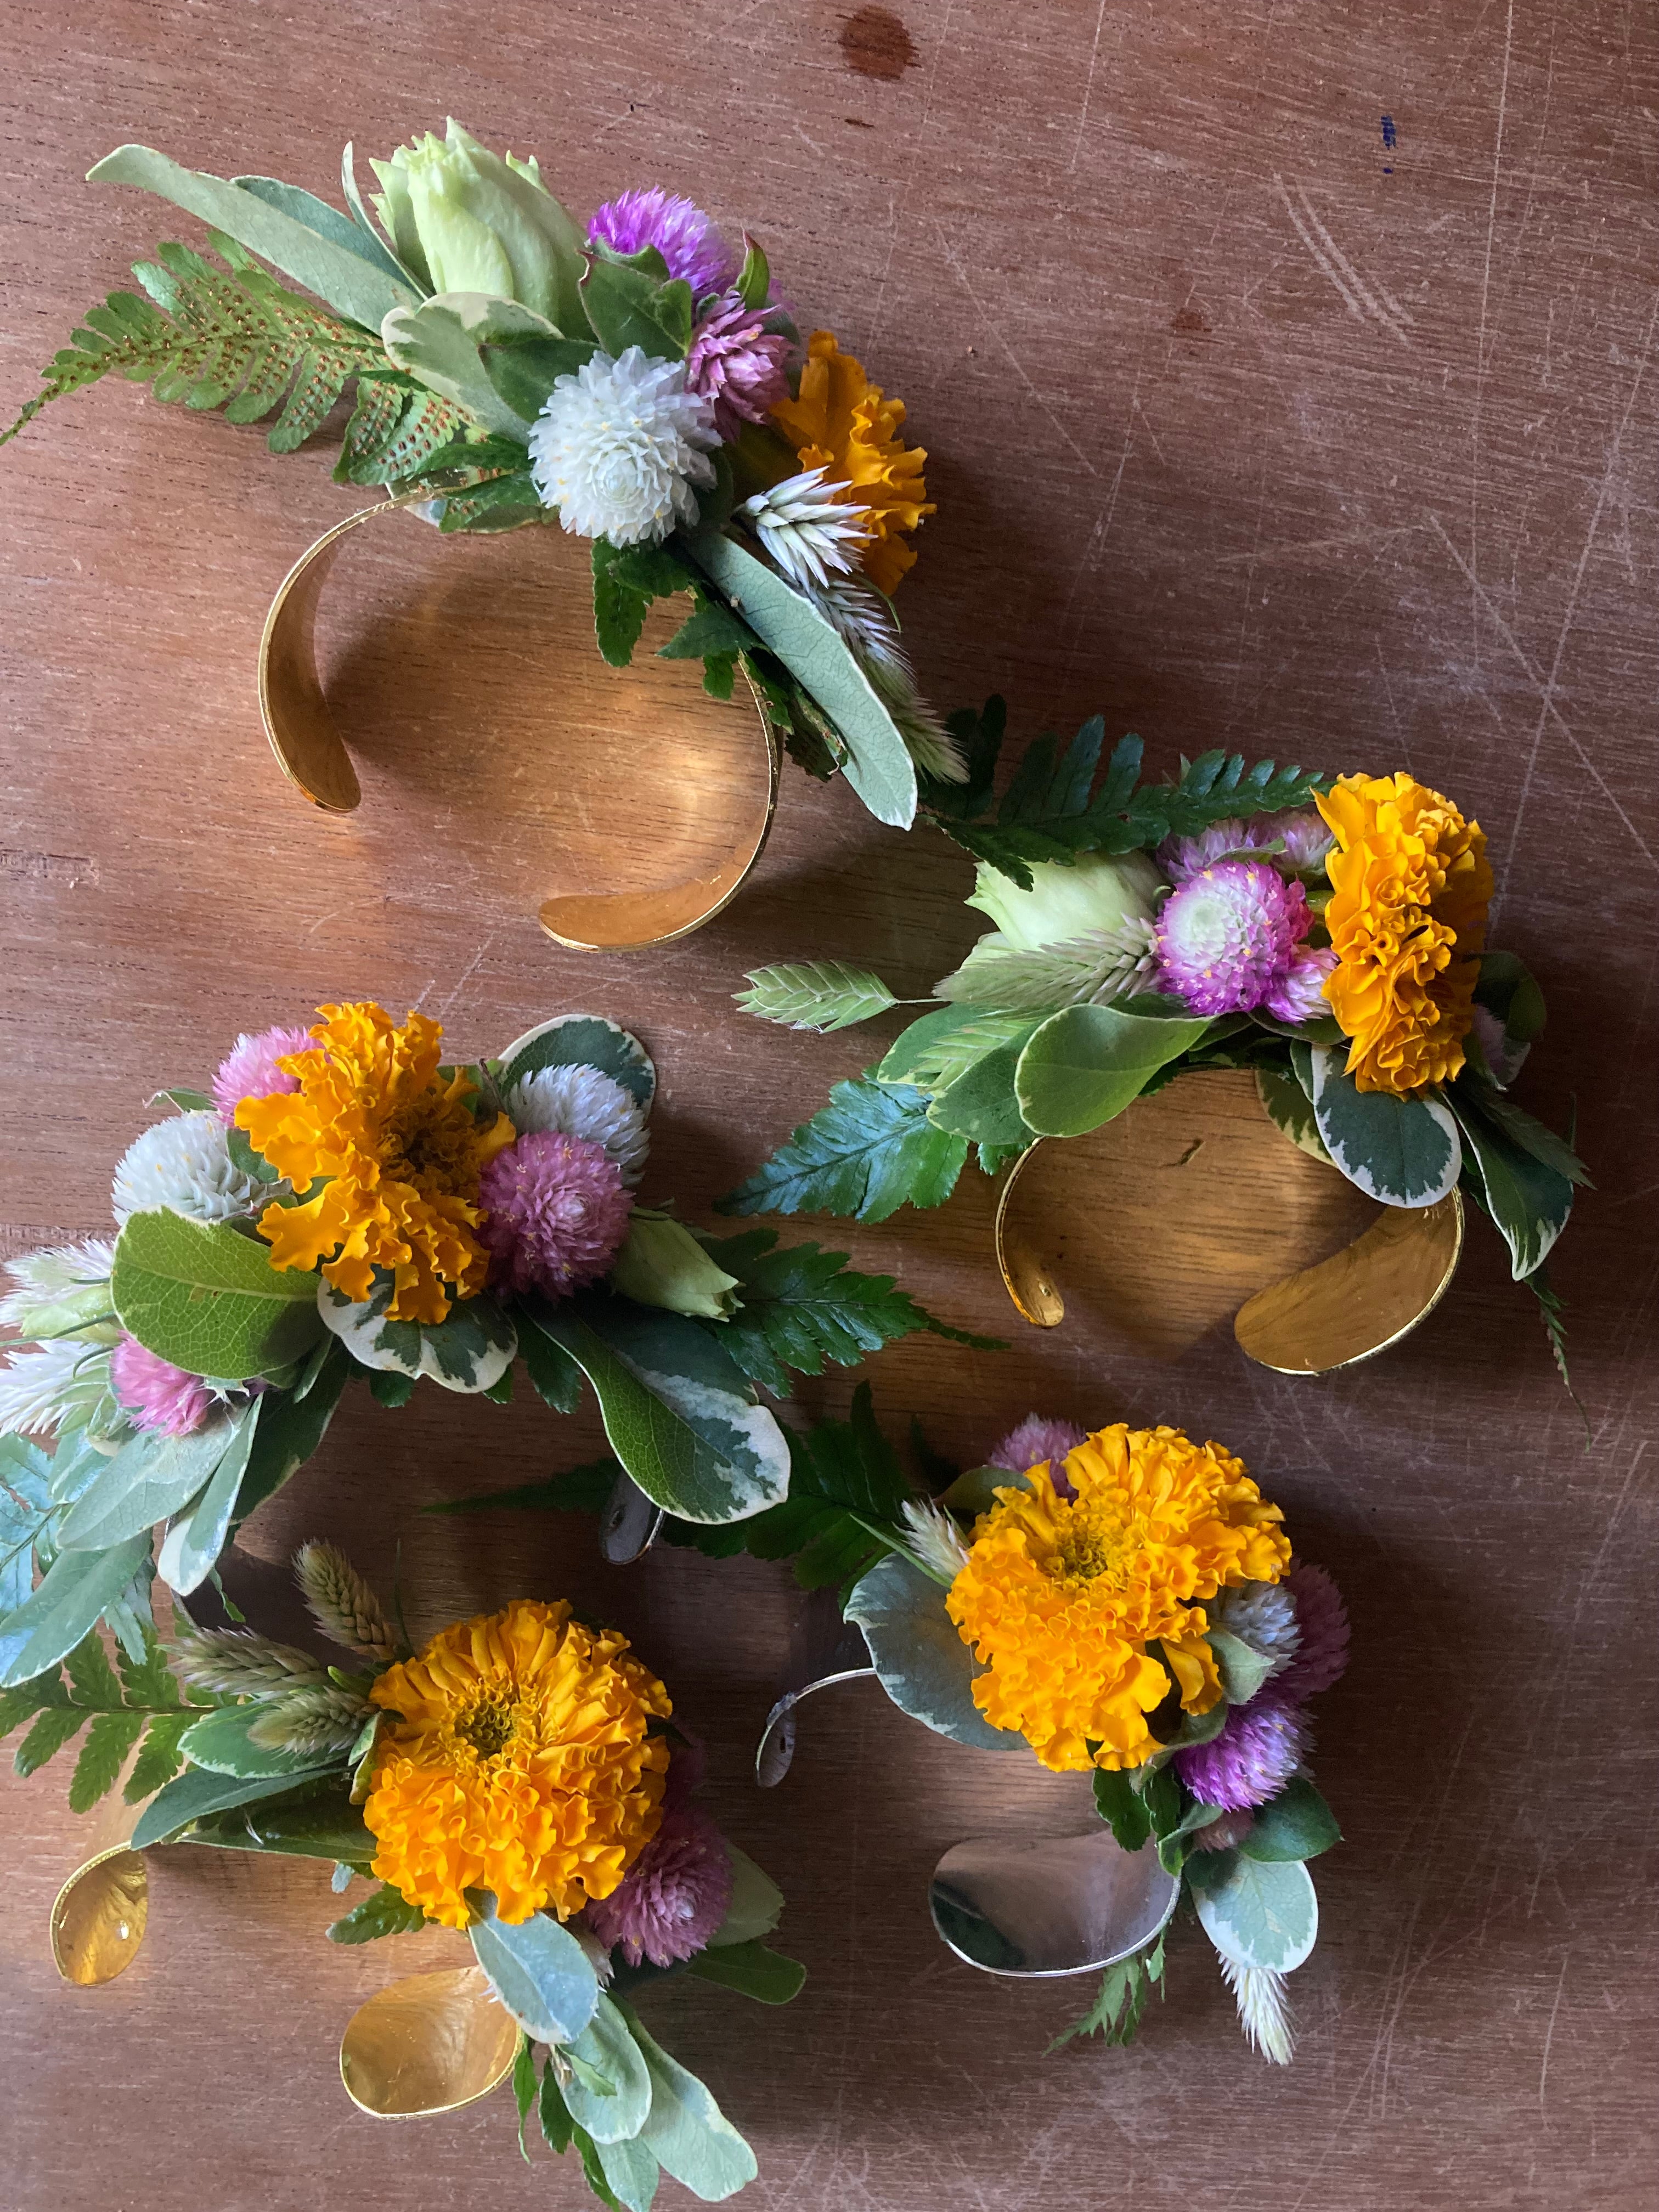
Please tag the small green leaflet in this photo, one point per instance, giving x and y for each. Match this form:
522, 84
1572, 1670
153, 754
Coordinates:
1115, 2013
205, 1297
814, 994
870, 1150
386, 1912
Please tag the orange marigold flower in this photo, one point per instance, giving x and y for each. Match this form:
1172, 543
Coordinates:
844, 423
518, 1761
1061, 1596
398, 1151
1407, 919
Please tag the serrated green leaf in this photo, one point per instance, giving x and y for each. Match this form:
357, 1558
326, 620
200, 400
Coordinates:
24, 1699
54, 1728
109, 1740
814, 994
91, 1676
711, 631
159, 1756
1120, 1804
386, 1911
870, 1150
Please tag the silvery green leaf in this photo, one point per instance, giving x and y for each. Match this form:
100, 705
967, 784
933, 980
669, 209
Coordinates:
1256, 1912
814, 994
686, 2130
191, 1546
1401, 1152
538, 1969
606, 2046
327, 221
922, 1663
631, 2172
582, 1041
152, 1477
437, 344
756, 1903
468, 1351
1241, 1667
77, 1586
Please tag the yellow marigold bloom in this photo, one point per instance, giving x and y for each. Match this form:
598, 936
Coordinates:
843, 422
519, 1762
1061, 1596
1407, 918
398, 1153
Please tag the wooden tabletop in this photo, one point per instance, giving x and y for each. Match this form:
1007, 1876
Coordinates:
1284, 374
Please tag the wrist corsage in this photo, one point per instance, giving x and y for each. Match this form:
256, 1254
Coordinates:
344, 1206
1325, 936
1127, 1605
519, 1780
639, 383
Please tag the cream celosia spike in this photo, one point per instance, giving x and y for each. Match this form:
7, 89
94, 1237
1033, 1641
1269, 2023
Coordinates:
243, 1664
1263, 2012
320, 1718
343, 1603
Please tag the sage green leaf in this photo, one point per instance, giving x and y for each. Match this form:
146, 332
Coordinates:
678, 1415
351, 286
767, 1975
152, 1477
437, 343
1529, 1201
387, 1912
686, 2130
538, 1969
1241, 1667
208, 1299
199, 1793
291, 1426
814, 994
1083, 1066
109, 1740
66, 1607
1403, 1152
315, 214
757, 1904
55, 1728
191, 1546
219, 1741
921, 1661
922, 1051
322, 1823
470, 1350
878, 764
607, 2047
582, 1041
1298, 1824
1257, 1912
631, 2172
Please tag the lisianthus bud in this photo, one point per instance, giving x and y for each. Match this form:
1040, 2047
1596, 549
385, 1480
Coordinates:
1069, 898
662, 1264
463, 219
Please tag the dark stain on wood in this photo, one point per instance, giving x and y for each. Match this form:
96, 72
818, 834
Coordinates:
1188, 322
876, 43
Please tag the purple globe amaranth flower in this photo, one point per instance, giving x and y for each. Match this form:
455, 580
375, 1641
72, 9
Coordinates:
737, 364
1225, 939
1299, 995
249, 1069
1322, 1653
674, 1896
1303, 834
1180, 858
685, 236
555, 1211
154, 1394
1260, 1748
1036, 1439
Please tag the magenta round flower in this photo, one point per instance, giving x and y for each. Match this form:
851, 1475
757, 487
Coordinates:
1036, 1439
685, 236
155, 1394
1302, 834
674, 1896
1299, 995
1255, 1754
738, 364
1225, 939
555, 1211
249, 1069
1322, 1654
1180, 858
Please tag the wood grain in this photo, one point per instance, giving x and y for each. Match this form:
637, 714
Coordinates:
1246, 428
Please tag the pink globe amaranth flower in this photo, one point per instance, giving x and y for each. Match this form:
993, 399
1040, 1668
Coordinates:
249, 1069
1299, 995
1180, 858
155, 1394
1225, 938
1303, 836
556, 1211
674, 1896
1036, 1439
737, 364
685, 236
1258, 1750
1322, 1654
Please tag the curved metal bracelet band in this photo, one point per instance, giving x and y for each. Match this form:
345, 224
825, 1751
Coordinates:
312, 754
1343, 1309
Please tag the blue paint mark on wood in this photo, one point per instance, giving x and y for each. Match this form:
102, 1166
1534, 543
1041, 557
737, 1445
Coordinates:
1388, 132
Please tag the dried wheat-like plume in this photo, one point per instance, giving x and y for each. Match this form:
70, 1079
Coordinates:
343, 1603
313, 1720
1263, 2012
239, 1662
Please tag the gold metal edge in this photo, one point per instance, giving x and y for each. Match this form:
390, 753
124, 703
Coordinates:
1456, 1200
429, 2112
1052, 1311
67, 1894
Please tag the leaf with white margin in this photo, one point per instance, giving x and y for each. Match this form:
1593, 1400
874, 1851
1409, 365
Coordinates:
607, 2045
686, 2130
582, 1041
630, 2173
1401, 1152
536, 1968
438, 342
194, 1541
152, 1477
757, 1903
1257, 1912
921, 1661
470, 1350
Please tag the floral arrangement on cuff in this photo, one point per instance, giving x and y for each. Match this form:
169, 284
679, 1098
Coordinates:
1327, 933
520, 1779
343, 1205
1125, 1604
640, 384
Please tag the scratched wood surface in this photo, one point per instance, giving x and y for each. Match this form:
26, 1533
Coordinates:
1252, 422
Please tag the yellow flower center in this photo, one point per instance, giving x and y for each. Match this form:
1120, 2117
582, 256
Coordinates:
489, 1726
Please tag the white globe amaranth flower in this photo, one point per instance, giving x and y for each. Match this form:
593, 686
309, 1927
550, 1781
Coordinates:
186, 1165
618, 446
584, 1102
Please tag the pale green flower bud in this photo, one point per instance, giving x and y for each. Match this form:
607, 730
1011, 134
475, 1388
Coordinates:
462, 219
1069, 899
662, 1264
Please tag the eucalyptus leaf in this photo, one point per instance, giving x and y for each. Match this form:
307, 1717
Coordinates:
208, 1299
686, 2130
538, 1969
75, 1591
631, 2173
582, 1041
1260, 1913
190, 1546
1402, 1152
606, 2045
153, 1476
920, 1661
1084, 1065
